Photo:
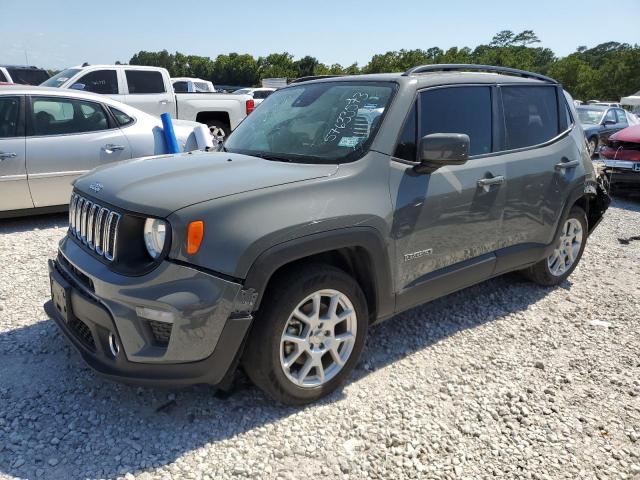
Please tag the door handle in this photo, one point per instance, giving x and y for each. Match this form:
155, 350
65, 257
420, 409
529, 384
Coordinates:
110, 148
486, 183
163, 102
565, 164
4, 156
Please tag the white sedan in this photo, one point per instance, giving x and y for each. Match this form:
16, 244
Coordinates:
49, 136
258, 94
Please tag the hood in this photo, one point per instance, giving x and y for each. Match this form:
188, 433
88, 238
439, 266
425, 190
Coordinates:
158, 186
629, 134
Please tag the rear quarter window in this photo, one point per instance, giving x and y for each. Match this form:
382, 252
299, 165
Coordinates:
530, 114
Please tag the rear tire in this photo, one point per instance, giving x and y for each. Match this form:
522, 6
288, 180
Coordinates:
570, 244
324, 312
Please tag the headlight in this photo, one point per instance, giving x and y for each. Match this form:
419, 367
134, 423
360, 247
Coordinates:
155, 233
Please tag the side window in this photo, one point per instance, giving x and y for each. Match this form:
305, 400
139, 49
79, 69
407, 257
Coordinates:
569, 117
407, 148
610, 116
622, 117
145, 81
100, 81
458, 110
9, 114
61, 116
531, 115
121, 117
2, 77
178, 87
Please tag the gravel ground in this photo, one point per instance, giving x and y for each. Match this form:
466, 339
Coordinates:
504, 379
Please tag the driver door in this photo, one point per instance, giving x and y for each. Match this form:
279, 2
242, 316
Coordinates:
446, 226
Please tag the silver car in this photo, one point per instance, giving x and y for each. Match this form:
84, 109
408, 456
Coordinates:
49, 136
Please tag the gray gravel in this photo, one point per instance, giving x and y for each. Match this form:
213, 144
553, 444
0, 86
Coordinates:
504, 379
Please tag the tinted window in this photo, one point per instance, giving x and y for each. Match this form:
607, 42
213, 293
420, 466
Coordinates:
100, 81
9, 112
27, 76
458, 110
58, 116
622, 116
143, 81
60, 78
406, 148
121, 117
2, 77
531, 115
179, 87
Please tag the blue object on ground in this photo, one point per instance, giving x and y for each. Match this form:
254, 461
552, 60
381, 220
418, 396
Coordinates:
169, 134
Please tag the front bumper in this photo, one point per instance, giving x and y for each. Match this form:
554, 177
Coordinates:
199, 340
622, 173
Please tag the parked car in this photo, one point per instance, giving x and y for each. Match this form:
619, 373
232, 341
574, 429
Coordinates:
258, 94
48, 137
335, 205
192, 85
599, 122
150, 90
22, 74
621, 158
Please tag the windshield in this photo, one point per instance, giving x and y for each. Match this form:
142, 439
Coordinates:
60, 78
243, 91
590, 115
329, 122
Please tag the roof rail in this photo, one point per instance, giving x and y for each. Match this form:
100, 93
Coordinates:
312, 77
461, 67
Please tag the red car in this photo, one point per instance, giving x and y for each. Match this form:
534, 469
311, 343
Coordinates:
621, 157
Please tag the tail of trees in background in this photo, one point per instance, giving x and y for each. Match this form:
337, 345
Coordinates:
606, 72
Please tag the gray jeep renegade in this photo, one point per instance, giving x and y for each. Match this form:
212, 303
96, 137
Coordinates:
337, 204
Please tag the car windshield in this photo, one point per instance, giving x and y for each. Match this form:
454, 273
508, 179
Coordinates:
60, 78
27, 76
242, 91
328, 122
590, 115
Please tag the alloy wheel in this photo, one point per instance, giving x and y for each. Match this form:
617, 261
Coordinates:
318, 338
565, 254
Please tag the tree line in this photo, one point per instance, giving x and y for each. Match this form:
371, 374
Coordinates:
605, 72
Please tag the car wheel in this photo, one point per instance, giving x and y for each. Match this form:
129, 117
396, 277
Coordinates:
308, 334
593, 145
567, 252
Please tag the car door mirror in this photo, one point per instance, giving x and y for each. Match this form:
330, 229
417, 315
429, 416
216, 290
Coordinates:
609, 122
78, 86
440, 149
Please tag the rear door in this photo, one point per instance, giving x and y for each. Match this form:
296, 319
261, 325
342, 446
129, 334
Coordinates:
14, 188
447, 224
147, 91
67, 137
537, 143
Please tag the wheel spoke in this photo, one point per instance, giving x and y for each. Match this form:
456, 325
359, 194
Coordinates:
306, 368
287, 337
344, 337
333, 307
320, 370
291, 359
335, 355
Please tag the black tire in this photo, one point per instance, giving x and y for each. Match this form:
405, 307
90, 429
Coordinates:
540, 273
261, 360
593, 139
217, 126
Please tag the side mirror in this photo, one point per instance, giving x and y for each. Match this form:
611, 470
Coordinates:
78, 86
440, 149
609, 122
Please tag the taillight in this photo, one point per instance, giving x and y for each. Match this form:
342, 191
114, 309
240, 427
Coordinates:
250, 106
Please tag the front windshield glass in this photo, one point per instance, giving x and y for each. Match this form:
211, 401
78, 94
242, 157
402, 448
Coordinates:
329, 122
60, 78
590, 115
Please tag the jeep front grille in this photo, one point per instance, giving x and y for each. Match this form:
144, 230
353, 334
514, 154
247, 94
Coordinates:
94, 225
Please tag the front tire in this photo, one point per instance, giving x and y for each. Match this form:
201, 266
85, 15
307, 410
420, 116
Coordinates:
308, 334
570, 244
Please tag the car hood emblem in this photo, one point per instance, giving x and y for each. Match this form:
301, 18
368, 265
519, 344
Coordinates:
96, 187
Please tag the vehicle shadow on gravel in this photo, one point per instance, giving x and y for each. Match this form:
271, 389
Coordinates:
37, 222
60, 420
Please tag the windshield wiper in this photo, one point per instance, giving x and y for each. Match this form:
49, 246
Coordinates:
271, 156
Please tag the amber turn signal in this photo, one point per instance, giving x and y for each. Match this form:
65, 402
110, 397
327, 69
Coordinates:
195, 233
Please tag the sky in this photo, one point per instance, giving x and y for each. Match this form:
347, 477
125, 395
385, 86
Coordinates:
62, 33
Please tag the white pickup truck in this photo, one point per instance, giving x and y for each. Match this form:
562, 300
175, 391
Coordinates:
150, 90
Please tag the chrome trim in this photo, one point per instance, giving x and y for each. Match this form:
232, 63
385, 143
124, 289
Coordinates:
94, 225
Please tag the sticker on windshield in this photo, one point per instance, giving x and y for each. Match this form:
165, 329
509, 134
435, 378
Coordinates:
349, 142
